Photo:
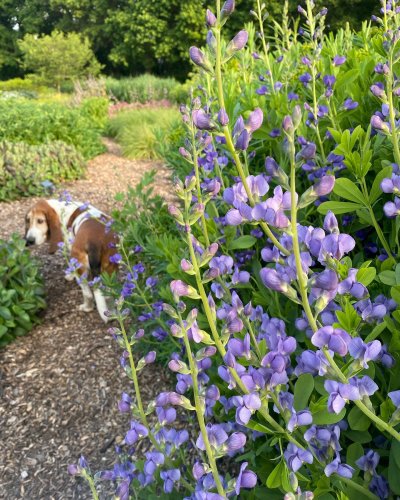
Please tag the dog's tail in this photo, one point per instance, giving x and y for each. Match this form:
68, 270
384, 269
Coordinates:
94, 260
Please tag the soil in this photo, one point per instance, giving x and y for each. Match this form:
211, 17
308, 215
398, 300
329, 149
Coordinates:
60, 384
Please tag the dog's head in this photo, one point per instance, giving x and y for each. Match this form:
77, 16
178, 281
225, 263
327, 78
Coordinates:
43, 224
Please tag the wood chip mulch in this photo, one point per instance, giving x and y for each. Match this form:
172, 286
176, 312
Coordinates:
60, 384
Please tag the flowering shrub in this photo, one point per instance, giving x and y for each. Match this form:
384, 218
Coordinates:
285, 306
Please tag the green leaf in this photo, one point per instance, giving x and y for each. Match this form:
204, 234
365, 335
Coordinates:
395, 293
376, 190
347, 189
394, 469
5, 313
275, 478
366, 275
338, 207
302, 391
321, 415
353, 453
357, 420
387, 278
242, 242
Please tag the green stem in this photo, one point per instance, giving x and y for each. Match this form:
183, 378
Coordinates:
200, 413
301, 278
264, 44
199, 196
91, 484
366, 493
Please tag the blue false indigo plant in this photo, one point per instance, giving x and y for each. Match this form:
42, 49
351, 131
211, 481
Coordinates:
284, 295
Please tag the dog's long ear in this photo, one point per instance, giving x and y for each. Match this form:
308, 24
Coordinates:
55, 234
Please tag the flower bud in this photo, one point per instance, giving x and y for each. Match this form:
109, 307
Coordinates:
296, 116
187, 266
201, 119
223, 117
237, 43
178, 366
185, 154
211, 20
255, 120
288, 125
176, 213
226, 11
199, 59
378, 124
167, 308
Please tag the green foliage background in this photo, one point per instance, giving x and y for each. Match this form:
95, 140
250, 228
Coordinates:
133, 36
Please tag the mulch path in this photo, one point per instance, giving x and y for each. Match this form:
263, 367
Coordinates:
60, 384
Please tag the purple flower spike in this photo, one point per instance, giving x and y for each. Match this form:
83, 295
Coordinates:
246, 478
336, 467
136, 431
335, 339
216, 435
295, 457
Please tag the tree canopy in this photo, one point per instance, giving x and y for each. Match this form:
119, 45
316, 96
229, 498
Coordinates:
132, 36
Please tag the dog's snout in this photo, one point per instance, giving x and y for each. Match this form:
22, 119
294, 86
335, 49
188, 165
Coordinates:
29, 241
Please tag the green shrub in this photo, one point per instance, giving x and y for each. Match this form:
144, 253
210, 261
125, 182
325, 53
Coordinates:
143, 89
25, 170
37, 123
139, 131
21, 290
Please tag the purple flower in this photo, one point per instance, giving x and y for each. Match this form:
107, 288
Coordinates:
349, 104
201, 119
299, 418
335, 339
245, 479
116, 258
125, 404
378, 91
336, 467
271, 279
246, 405
365, 385
339, 60
351, 286
395, 397
392, 209
368, 462
255, 120
364, 352
227, 9
216, 436
391, 185
379, 486
154, 460
305, 79
295, 457
339, 394
378, 124
136, 431
170, 477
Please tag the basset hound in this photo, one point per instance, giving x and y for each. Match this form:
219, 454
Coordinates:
89, 242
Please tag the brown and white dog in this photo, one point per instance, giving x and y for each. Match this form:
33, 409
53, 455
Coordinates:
55, 221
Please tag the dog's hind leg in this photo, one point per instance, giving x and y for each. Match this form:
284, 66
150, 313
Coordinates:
88, 304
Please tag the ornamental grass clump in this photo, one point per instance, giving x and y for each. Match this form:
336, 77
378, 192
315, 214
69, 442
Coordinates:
284, 312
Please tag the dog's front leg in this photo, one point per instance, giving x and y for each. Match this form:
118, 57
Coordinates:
101, 304
87, 305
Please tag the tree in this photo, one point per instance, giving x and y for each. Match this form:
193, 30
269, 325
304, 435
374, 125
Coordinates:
58, 57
